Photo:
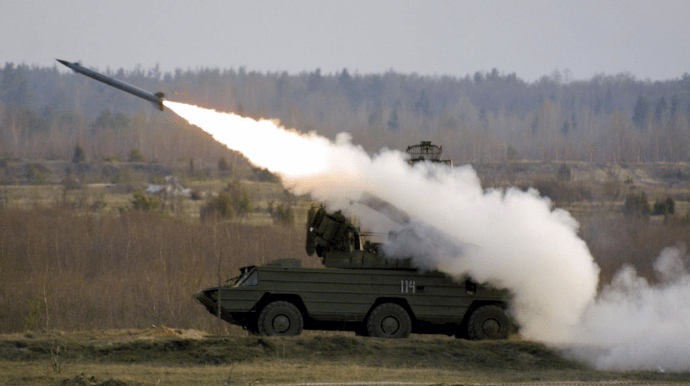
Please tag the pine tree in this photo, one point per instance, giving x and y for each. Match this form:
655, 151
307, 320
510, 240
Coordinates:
78, 155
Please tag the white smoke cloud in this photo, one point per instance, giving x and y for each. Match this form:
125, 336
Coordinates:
636, 325
512, 238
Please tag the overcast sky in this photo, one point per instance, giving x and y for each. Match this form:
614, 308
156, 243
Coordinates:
649, 39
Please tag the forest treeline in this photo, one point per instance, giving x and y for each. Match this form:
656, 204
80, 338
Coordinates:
487, 117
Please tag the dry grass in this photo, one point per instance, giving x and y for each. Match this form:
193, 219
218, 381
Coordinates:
244, 374
65, 269
152, 356
616, 240
105, 198
69, 260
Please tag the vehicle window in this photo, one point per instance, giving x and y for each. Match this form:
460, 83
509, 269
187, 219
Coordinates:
252, 279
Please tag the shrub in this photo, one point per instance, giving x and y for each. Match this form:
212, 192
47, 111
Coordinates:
223, 164
664, 207
263, 175
216, 207
121, 176
126, 176
281, 213
142, 201
196, 195
32, 319
135, 155
231, 201
636, 205
241, 200
37, 174
563, 173
71, 182
611, 189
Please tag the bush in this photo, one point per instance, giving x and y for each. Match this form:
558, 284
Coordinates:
121, 177
263, 175
563, 173
241, 200
636, 205
233, 200
135, 155
142, 201
281, 213
71, 182
665, 207
223, 164
125, 176
217, 207
37, 174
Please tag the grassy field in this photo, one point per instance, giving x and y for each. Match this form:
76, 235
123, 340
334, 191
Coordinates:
83, 277
188, 357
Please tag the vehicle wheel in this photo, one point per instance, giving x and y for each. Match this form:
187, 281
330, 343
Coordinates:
389, 320
489, 322
280, 318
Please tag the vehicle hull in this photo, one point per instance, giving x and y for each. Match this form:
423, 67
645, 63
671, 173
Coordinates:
342, 298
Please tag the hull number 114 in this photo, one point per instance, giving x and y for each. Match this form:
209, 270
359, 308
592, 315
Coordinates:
407, 286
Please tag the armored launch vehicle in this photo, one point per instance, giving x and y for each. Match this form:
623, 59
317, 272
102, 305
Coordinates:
359, 289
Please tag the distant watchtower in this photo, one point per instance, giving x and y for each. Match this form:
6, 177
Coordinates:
426, 151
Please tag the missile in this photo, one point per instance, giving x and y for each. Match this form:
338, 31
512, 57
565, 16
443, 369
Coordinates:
156, 99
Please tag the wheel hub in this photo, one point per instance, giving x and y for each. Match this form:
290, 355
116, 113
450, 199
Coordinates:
491, 327
390, 325
281, 323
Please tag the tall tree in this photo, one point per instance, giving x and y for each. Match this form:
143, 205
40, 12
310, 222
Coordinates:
640, 112
422, 106
660, 109
78, 155
394, 120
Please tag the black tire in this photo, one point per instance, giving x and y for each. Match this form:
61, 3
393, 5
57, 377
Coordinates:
390, 321
280, 318
489, 323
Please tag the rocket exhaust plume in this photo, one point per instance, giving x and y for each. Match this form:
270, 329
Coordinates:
511, 239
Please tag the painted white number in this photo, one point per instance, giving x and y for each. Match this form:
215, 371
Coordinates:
407, 286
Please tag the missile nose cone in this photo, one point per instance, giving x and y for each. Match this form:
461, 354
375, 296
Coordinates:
66, 63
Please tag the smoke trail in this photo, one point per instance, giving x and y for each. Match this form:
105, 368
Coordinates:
511, 238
